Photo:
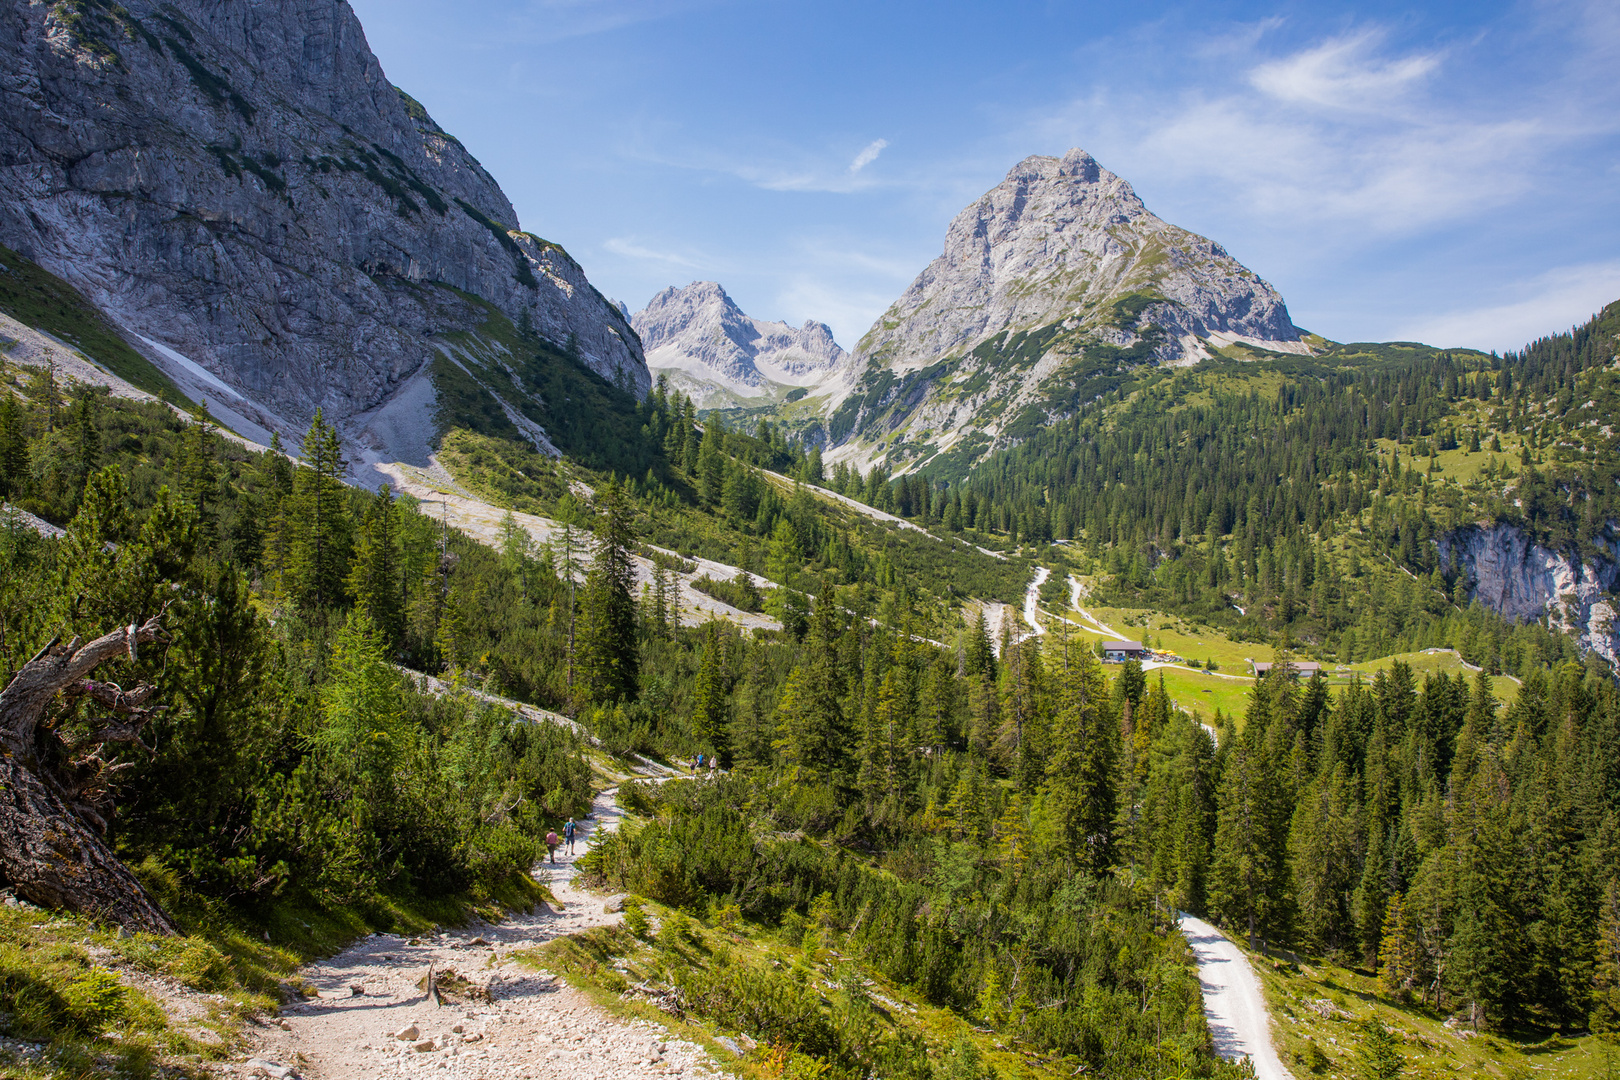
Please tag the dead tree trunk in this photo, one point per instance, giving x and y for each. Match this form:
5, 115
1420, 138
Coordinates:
55, 787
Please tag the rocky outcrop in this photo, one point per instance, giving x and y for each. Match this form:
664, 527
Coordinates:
712, 349
1062, 239
239, 186
1054, 275
1523, 581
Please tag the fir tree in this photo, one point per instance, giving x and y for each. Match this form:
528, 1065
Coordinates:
709, 711
318, 555
608, 653
375, 579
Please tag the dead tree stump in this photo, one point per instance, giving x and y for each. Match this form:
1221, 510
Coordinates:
56, 788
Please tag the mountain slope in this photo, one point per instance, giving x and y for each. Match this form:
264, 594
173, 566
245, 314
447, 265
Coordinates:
268, 219
1055, 277
720, 356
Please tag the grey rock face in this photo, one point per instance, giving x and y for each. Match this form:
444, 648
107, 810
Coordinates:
1523, 581
1057, 271
699, 331
237, 180
1062, 238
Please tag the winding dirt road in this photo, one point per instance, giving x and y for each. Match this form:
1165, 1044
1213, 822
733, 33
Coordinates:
1233, 1002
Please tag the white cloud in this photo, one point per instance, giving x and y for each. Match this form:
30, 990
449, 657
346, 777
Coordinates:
1343, 73
627, 247
1344, 138
1553, 302
868, 155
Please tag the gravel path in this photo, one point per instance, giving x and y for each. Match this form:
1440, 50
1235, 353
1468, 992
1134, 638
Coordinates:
530, 1024
1233, 1002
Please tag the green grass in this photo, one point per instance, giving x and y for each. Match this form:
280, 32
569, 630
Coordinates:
1201, 693
1504, 687
1318, 1010
605, 962
41, 300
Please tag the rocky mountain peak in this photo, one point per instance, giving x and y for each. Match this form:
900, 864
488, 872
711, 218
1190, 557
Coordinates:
237, 184
698, 336
1055, 274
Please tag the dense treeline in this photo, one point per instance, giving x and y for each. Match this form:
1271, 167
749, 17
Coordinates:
1304, 500
292, 762
1463, 848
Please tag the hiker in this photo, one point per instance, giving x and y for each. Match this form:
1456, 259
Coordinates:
551, 845
697, 764
568, 835
711, 768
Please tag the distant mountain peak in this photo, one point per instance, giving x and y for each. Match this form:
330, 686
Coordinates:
720, 355
1057, 271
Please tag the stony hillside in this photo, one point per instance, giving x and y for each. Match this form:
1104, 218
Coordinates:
1055, 277
720, 356
272, 222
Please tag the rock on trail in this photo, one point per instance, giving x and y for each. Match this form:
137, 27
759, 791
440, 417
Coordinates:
373, 1017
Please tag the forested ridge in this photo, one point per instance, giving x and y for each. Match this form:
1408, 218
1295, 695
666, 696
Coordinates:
1006, 827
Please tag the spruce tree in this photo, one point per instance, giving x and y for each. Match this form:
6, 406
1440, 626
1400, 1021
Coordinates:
1248, 875
376, 580
319, 552
609, 662
1081, 773
13, 446
709, 705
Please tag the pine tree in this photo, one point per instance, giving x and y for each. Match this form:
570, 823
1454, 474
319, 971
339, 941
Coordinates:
609, 658
709, 706
318, 555
13, 446
375, 579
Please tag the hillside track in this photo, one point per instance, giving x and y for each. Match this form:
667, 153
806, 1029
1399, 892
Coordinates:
531, 1025
1233, 1002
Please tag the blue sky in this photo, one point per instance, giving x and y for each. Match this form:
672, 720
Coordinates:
1443, 172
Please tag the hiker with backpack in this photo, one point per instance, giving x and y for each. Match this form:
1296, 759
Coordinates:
568, 835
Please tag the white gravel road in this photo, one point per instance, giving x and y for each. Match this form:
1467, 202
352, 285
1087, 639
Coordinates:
1233, 1002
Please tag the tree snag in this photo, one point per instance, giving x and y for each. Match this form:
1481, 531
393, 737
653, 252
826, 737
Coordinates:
55, 786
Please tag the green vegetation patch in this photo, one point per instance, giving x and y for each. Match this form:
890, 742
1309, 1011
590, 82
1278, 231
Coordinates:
41, 300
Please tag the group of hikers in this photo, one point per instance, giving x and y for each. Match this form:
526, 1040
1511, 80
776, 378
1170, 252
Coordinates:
552, 840
570, 828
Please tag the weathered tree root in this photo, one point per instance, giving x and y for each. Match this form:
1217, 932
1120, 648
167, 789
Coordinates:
55, 788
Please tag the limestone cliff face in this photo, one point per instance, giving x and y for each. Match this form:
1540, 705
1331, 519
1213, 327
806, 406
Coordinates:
1056, 275
237, 182
703, 340
1523, 581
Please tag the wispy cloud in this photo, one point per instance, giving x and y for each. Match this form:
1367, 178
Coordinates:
1346, 134
1545, 304
544, 22
868, 155
630, 249
1344, 73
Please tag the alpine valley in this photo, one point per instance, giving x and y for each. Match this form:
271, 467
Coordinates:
413, 664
